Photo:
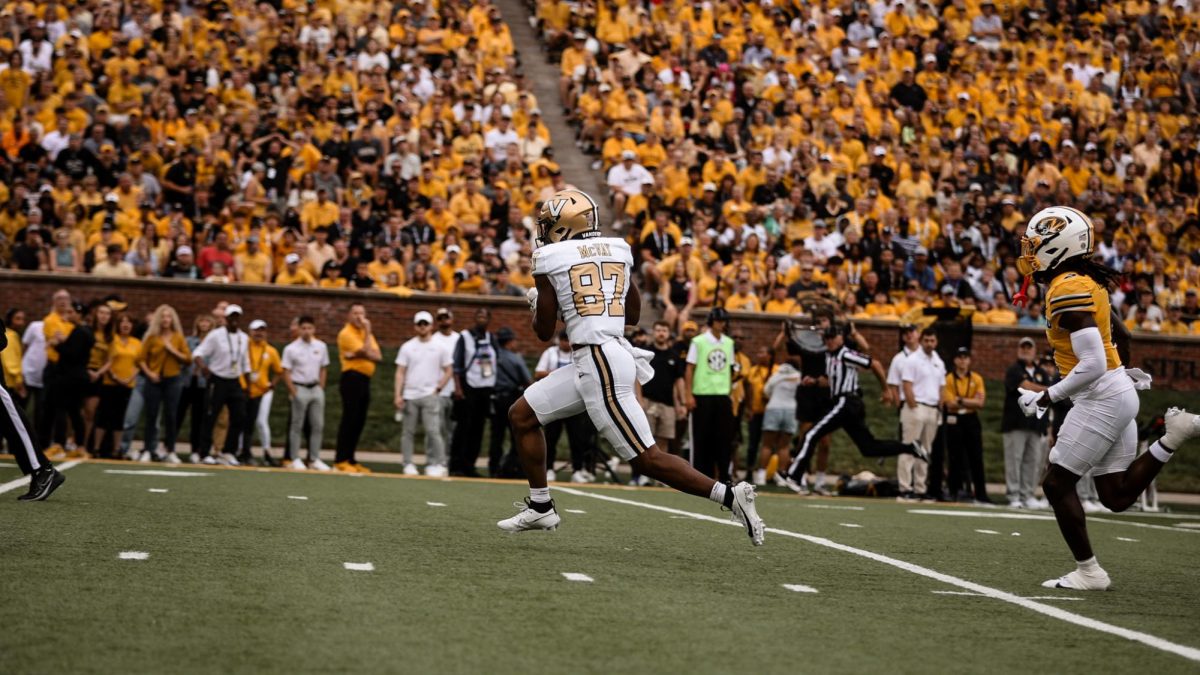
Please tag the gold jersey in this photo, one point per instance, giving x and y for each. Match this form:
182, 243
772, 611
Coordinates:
1071, 292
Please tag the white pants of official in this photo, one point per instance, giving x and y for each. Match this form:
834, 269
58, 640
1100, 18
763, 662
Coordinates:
1099, 433
917, 425
601, 383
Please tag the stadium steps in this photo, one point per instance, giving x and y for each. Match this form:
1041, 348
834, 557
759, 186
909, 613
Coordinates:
543, 80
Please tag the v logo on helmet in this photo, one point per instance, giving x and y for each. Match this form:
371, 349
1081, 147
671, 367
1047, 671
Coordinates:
556, 206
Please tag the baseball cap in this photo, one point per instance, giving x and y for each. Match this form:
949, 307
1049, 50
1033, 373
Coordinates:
1026, 341
689, 325
112, 198
831, 331
921, 250
947, 289
230, 310
880, 151
628, 154
962, 351
443, 311
453, 248
687, 241
422, 316
291, 258
183, 250
257, 323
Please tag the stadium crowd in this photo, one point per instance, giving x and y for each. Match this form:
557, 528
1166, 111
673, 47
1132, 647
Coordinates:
395, 147
885, 156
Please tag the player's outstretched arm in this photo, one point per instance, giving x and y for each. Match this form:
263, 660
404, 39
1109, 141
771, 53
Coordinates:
545, 315
633, 304
1088, 346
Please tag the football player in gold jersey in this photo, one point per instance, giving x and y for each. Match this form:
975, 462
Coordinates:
1099, 433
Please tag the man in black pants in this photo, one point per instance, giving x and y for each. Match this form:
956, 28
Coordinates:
474, 383
848, 411
709, 381
965, 396
358, 351
222, 358
512, 377
44, 478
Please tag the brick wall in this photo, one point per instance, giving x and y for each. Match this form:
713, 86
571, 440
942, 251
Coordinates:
1174, 362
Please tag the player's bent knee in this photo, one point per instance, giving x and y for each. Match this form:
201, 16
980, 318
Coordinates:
521, 416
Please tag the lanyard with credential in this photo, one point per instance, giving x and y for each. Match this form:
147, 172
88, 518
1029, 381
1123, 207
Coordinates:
235, 355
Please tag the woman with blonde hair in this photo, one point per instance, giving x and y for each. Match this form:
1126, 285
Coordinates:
102, 326
163, 359
120, 376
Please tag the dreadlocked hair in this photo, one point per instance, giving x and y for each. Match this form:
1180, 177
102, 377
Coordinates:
1102, 274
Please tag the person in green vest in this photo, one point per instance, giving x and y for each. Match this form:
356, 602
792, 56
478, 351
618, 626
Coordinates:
709, 380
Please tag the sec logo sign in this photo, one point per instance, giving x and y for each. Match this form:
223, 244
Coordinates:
717, 360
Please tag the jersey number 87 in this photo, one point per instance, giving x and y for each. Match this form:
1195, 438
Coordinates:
586, 286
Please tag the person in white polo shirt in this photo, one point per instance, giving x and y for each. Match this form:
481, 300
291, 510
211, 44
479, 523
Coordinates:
305, 363
626, 180
445, 335
922, 378
422, 369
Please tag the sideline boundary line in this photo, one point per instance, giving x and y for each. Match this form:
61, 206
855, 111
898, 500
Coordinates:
1190, 653
24, 480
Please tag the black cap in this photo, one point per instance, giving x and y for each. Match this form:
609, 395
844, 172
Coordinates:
963, 351
718, 314
832, 330
505, 335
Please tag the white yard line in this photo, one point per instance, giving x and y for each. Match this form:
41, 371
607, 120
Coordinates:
157, 490
574, 511
301, 498
800, 588
1149, 526
853, 525
435, 503
359, 567
576, 576
133, 555
156, 472
835, 508
1190, 653
1179, 527
24, 480
987, 532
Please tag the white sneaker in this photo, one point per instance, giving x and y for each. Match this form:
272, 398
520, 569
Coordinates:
760, 476
644, 481
779, 479
296, 464
145, 457
1080, 581
318, 465
1090, 506
229, 460
410, 469
582, 476
1015, 504
172, 458
1181, 426
551, 476
528, 519
131, 456
795, 486
1037, 504
436, 471
745, 513
209, 459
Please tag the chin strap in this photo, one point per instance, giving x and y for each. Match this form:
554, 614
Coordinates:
1022, 298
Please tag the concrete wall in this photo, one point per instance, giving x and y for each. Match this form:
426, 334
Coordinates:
1174, 362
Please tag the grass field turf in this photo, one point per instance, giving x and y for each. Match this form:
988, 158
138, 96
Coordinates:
241, 578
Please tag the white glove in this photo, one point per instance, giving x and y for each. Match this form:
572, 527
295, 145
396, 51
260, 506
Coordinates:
1028, 402
531, 295
1141, 379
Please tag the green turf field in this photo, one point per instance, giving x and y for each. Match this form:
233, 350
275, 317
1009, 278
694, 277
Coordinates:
243, 577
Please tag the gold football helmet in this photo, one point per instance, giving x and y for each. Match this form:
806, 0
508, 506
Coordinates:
567, 214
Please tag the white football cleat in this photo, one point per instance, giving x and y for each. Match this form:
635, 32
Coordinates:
1080, 581
528, 519
745, 513
435, 471
318, 465
1181, 425
297, 464
795, 486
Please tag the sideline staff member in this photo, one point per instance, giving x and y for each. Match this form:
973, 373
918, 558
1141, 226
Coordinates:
359, 352
709, 380
965, 396
223, 357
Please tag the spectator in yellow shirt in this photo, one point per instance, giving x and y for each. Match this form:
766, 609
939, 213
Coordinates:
383, 265
744, 300
1174, 325
265, 370
120, 374
293, 274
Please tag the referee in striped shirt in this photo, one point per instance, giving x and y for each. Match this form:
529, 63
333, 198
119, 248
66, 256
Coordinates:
848, 411
14, 427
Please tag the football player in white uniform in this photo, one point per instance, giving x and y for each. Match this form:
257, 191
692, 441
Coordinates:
1099, 433
587, 280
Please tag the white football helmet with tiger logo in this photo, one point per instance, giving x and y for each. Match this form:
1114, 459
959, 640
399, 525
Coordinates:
1053, 235
567, 214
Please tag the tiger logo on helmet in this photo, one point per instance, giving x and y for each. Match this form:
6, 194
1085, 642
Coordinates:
1055, 234
567, 214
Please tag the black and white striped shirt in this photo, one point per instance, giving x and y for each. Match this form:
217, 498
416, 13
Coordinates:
841, 367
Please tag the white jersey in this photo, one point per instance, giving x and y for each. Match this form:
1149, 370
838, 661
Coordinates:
590, 279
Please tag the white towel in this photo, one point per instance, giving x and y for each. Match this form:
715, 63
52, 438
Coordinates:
641, 359
1141, 379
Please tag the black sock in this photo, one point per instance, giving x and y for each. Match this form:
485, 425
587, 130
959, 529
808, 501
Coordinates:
728, 503
542, 507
